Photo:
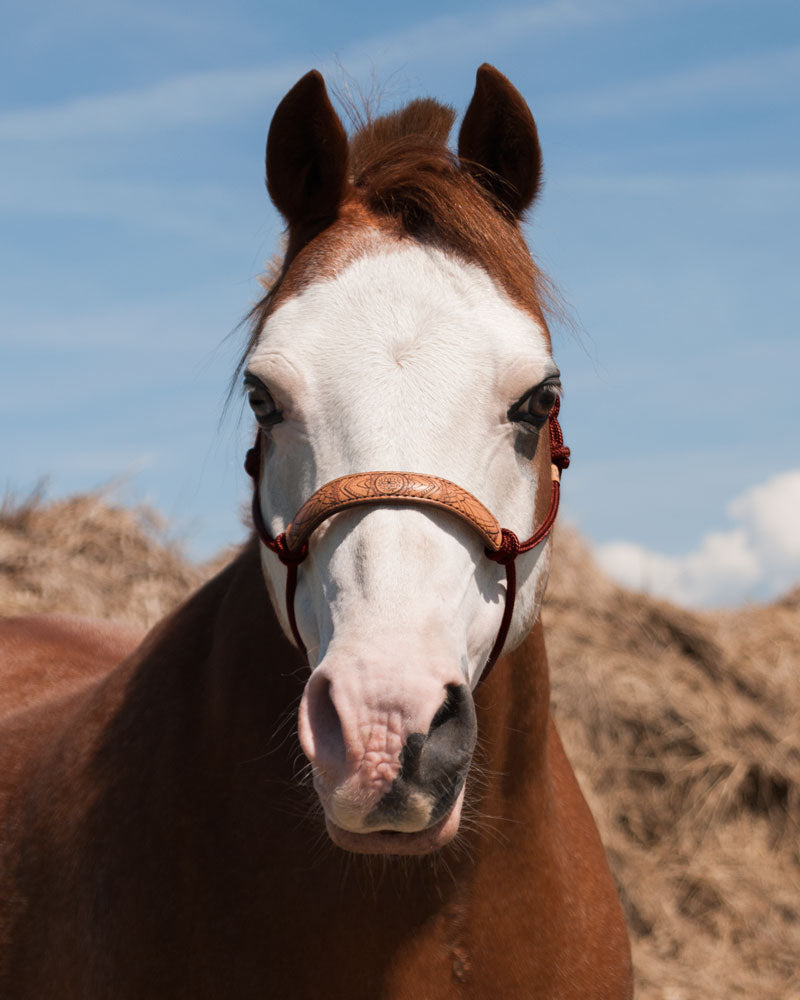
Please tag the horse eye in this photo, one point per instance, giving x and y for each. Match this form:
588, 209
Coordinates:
262, 404
535, 407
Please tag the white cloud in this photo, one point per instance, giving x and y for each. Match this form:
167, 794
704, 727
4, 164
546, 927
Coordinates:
771, 513
759, 557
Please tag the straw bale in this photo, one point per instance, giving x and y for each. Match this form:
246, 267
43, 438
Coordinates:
85, 555
683, 729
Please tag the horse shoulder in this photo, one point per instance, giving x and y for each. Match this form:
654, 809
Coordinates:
48, 667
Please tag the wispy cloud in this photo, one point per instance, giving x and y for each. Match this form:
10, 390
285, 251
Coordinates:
103, 464
458, 34
191, 98
182, 100
773, 75
186, 209
86, 172
191, 322
760, 189
57, 24
759, 556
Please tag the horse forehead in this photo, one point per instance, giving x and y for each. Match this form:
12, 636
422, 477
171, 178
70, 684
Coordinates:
406, 307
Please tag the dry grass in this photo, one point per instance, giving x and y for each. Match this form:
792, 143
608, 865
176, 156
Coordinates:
684, 729
86, 556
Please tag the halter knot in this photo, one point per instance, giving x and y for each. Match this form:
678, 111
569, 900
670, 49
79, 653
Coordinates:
508, 551
559, 455
559, 452
285, 554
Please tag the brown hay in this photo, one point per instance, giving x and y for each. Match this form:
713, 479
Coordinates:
86, 556
683, 730
682, 727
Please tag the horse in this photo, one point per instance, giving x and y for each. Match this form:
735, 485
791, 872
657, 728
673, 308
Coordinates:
161, 836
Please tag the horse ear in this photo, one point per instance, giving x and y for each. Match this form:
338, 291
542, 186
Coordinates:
498, 142
306, 154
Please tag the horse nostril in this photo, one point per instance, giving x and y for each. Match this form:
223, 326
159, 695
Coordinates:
447, 749
449, 708
325, 745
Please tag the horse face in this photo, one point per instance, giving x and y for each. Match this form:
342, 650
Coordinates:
405, 360
391, 354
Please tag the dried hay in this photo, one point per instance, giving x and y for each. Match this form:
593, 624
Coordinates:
87, 556
684, 731
682, 727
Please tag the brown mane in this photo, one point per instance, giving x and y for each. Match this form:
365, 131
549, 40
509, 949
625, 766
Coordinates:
406, 180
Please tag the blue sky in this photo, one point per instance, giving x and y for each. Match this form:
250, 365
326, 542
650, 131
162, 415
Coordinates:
134, 223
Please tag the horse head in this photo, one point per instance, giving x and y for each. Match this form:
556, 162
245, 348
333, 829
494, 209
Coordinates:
405, 334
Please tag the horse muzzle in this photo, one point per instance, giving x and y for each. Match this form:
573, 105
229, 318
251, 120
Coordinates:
390, 774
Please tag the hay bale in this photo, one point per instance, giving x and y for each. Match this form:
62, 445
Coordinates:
683, 730
85, 555
682, 727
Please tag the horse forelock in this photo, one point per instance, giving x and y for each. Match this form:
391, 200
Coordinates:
407, 184
423, 119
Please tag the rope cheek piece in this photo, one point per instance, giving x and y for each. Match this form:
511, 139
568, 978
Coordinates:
416, 489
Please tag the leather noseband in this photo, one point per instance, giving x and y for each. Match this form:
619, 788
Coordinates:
412, 489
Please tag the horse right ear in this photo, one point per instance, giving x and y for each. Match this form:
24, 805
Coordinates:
306, 154
498, 142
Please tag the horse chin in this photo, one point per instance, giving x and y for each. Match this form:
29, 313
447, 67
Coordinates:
397, 842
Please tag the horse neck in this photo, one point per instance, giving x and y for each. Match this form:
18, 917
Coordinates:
513, 708
254, 677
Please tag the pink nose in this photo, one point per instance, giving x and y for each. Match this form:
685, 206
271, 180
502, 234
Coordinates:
320, 728
387, 745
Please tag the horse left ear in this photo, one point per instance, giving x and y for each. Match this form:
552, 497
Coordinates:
306, 154
498, 141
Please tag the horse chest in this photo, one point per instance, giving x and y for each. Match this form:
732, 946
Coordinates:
341, 930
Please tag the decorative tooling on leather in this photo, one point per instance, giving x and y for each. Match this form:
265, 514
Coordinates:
411, 488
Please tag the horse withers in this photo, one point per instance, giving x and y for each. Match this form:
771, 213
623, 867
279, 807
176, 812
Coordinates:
160, 837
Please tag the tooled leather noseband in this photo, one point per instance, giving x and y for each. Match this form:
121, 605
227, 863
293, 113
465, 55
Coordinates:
415, 489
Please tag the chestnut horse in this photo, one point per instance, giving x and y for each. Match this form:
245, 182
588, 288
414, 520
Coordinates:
160, 838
